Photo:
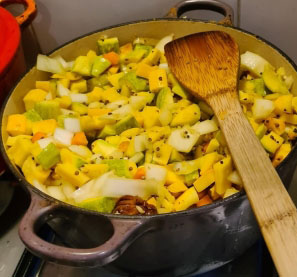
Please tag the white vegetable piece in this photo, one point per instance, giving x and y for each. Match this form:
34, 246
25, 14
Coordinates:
79, 97
186, 167
164, 66
68, 190
139, 101
253, 63
165, 116
67, 66
156, 172
81, 150
117, 104
39, 186
235, 178
262, 108
72, 124
117, 187
91, 189
137, 157
162, 42
118, 113
205, 127
49, 96
63, 137
56, 192
62, 91
44, 63
183, 139
141, 143
45, 142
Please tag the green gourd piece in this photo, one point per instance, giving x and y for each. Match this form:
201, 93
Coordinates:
108, 130
100, 65
48, 109
133, 82
32, 115
49, 156
100, 204
106, 45
126, 123
82, 65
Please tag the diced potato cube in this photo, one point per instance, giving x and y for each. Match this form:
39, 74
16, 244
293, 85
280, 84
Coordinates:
177, 187
283, 104
19, 152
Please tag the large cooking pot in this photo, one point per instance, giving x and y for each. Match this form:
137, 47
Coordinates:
178, 243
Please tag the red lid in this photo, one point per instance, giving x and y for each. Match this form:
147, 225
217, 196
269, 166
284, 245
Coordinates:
10, 36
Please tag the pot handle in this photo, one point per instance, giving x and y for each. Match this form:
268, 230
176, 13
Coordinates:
213, 5
28, 15
40, 211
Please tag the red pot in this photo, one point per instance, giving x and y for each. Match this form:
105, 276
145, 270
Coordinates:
12, 61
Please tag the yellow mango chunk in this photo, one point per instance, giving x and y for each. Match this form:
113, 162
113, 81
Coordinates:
64, 82
151, 116
153, 57
131, 132
246, 98
79, 86
177, 187
143, 70
283, 104
44, 85
94, 170
207, 161
230, 192
98, 111
294, 104
271, 142
152, 201
172, 177
33, 172
47, 126
16, 125
71, 174
188, 115
114, 79
34, 96
162, 152
157, 80
19, 152
95, 94
212, 146
281, 154
213, 194
290, 118
222, 170
12, 140
186, 200
205, 180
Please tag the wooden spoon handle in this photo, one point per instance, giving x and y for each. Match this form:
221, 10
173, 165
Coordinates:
271, 203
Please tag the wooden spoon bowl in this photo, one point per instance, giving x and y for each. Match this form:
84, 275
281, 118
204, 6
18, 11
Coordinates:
207, 65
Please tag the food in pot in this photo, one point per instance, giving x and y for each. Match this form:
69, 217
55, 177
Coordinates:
114, 131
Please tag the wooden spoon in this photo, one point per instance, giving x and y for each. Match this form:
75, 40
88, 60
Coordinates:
207, 64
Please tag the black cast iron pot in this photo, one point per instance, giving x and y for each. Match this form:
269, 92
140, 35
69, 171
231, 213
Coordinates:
174, 244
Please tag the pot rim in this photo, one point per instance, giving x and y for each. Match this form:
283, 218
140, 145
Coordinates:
189, 212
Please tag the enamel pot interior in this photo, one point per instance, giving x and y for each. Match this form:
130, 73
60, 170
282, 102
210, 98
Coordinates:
157, 29
128, 32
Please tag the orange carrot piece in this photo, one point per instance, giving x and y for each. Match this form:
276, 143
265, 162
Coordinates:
38, 136
204, 201
140, 173
112, 57
113, 69
79, 139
